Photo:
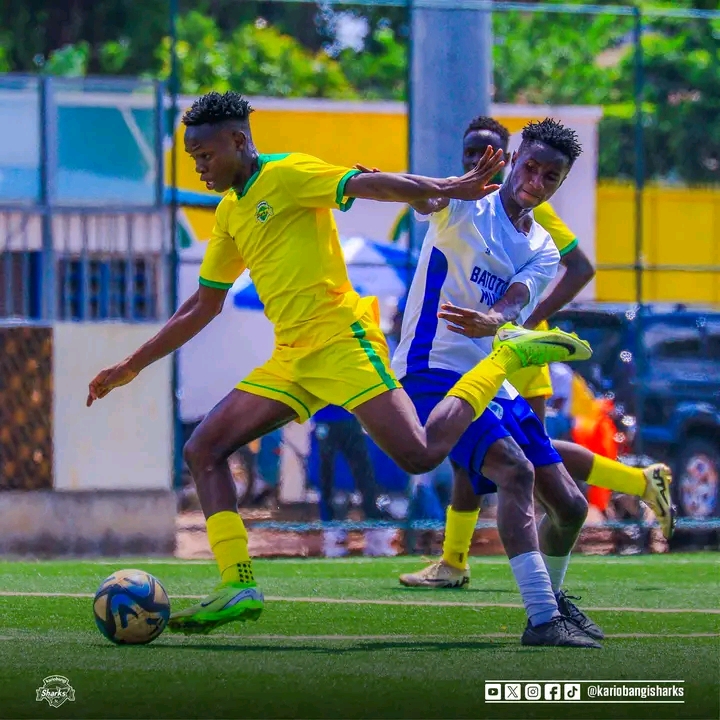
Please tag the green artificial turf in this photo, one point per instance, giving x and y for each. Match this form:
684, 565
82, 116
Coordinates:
404, 654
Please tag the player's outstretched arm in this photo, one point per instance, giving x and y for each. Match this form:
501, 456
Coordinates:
423, 207
476, 324
401, 187
191, 317
579, 271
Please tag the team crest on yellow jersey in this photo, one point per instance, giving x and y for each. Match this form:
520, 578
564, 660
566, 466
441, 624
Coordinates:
263, 211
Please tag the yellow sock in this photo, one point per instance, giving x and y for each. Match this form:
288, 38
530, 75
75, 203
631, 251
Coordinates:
481, 384
229, 542
613, 475
459, 529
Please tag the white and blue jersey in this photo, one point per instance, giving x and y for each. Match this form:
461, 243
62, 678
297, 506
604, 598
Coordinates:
471, 254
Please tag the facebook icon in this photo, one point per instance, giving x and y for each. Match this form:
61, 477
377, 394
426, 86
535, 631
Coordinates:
553, 691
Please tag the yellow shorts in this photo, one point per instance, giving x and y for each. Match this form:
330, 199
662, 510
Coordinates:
532, 382
348, 370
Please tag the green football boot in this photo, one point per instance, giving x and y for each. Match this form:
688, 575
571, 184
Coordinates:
540, 347
230, 601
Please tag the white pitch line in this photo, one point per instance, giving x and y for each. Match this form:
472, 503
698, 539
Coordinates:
181, 639
394, 603
451, 603
454, 638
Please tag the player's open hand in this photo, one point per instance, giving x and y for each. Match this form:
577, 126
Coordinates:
470, 323
109, 379
473, 185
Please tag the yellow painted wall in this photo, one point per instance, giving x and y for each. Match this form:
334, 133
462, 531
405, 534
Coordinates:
376, 139
681, 227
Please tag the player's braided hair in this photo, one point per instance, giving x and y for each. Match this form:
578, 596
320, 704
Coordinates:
556, 135
482, 122
215, 108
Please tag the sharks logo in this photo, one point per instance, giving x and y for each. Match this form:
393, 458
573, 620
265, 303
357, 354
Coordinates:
263, 212
56, 689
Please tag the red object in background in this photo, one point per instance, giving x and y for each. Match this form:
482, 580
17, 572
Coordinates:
597, 432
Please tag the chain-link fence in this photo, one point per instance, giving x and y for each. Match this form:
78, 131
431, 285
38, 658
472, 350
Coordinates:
26, 397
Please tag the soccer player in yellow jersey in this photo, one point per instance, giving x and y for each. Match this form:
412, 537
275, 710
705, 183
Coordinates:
533, 383
276, 220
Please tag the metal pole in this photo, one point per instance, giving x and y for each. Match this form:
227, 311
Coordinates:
639, 155
174, 260
48, 170
451, 70
449, 84
638, 350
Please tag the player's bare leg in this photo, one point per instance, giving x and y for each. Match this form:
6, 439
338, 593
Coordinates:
652, 483
393, 423
537, 405
235, 421
238, 419
566, 510
391, 420
506, 465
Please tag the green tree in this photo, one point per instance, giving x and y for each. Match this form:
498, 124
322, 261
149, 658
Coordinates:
379, 70
256, 59
556, 58
681, 109
584, 59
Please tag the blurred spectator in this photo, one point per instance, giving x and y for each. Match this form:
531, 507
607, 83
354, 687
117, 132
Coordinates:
594, 428
559, 421
338, 431
267, 464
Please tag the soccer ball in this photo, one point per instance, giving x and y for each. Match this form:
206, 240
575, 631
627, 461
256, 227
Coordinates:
131, 607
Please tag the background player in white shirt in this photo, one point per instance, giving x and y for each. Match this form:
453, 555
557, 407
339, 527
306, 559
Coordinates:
492, 257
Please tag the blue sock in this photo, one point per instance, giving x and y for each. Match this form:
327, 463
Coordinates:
536, 591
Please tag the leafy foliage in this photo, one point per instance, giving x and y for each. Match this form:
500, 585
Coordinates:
295, 49
256, 58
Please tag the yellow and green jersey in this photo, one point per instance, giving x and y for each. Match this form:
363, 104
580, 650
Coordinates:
563, 237
280, 226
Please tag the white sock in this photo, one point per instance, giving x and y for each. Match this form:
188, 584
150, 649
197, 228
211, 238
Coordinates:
535, 587
556, 567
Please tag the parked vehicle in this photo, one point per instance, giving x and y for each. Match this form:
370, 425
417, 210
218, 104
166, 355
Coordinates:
661, 365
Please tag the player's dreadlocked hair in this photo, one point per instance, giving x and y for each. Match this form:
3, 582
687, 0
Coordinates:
556, 135
481, 122
214, 108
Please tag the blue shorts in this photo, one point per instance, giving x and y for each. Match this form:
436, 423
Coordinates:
503, 418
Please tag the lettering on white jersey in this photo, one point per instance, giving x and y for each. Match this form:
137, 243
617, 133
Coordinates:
471, 254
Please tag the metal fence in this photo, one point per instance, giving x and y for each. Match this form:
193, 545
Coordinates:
83, 225
94, 185
654, 73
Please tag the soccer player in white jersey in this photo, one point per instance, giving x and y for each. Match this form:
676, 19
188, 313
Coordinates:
652, 483
492, 257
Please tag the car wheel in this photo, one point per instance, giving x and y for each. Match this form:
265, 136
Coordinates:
697, 479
